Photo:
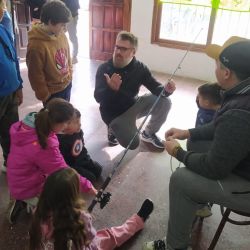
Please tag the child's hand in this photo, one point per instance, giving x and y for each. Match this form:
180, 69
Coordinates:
93, 191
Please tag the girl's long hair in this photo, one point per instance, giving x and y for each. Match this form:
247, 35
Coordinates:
60, 202
56, 111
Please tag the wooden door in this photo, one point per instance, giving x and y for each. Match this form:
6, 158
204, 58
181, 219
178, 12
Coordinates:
107, 18
22, 21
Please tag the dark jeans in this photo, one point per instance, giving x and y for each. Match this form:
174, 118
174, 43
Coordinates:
64, 94
8, 116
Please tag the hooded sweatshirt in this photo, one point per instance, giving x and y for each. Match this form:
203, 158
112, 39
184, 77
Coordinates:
29, 164
48, 61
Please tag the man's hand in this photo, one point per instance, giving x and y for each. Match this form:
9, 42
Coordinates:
19, 96
176, 133
170, 87
171, 145
114, 82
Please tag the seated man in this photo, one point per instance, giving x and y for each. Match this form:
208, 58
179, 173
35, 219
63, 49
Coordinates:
222, 174
118, 82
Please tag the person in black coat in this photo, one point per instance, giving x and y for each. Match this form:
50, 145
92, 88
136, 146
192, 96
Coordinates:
35, 8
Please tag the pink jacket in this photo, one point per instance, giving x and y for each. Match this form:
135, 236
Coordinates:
28, 164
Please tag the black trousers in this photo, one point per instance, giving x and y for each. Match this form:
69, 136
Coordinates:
8, 116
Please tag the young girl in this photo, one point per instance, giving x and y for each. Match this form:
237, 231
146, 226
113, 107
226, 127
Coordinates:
60, 222
34, 153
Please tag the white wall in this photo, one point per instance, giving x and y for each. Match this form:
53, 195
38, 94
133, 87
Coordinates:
162, 59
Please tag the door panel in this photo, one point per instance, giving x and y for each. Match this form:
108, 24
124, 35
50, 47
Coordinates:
21, 13
107, 18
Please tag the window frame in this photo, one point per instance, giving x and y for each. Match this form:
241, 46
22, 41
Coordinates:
155, 33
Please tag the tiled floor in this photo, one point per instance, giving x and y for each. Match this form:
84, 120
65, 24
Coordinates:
142, 174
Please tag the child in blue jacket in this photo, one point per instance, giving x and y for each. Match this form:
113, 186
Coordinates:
10, 90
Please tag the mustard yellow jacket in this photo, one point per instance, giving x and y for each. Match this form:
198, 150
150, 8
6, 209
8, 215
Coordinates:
48, 61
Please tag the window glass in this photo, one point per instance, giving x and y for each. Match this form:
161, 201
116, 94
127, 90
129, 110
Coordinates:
183, 22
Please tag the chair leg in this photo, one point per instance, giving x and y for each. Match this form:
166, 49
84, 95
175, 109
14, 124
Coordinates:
219, 229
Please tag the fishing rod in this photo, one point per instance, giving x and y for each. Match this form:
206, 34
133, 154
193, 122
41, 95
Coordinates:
104, 198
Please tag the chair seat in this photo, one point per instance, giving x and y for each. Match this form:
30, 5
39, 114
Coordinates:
225, 218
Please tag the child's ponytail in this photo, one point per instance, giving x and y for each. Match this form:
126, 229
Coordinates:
42, 125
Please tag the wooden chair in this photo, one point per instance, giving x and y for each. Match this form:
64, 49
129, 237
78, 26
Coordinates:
225, 218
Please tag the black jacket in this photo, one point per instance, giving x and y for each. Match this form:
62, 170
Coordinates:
35, 7
73, 150
230, 135
134, 75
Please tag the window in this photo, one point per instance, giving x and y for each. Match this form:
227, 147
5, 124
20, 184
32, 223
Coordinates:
177, 23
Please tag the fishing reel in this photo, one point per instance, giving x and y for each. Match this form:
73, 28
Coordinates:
104, 199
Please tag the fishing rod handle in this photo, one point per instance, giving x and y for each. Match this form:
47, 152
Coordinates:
99, 194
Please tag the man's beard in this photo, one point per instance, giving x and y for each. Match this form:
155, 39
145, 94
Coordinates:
120, 63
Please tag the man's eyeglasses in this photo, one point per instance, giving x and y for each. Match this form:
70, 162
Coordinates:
122, 49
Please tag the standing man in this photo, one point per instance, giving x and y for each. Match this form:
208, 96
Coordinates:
220, 175
10, 90
73, 6
118, 82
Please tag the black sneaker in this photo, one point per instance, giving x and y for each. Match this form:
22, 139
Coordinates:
15, 210
153, 139
146, 209
112, 139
